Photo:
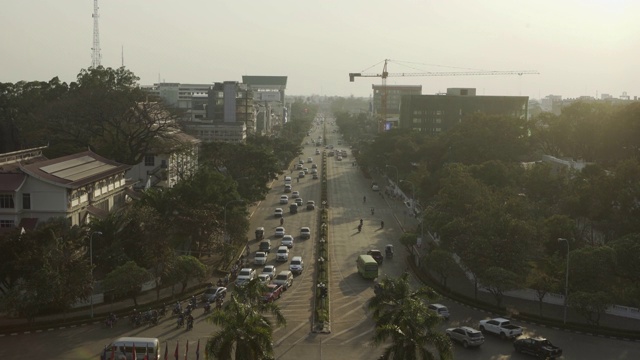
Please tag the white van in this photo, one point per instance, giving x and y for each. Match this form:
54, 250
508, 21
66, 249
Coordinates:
123, 348
287, 180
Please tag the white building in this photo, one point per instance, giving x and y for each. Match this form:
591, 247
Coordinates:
78, 187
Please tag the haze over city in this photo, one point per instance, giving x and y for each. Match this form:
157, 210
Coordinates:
580, 48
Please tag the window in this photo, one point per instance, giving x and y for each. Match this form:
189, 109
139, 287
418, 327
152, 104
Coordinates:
26, 201
6, 224
149, 160
6, 201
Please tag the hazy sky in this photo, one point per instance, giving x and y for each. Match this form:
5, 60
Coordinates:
580, 47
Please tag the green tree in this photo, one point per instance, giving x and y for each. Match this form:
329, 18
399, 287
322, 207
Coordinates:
497, 280
543, 278
244, 335
401, 315
127, 280
442, 263
591, 305
187, 268
252, 293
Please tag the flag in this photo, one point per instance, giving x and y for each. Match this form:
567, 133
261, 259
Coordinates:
113, 353
175, 354
186, 350
166, 351
198, 350
146, 352
134, 356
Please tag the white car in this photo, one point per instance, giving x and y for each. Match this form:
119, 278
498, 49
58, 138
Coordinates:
260, 258
287, 241
269, 270
299, 201
317, 152
306, 170
309, 160
305, 233
264, 278
301, 174
284, 199
279, 231
295, 194
278, 212
244, 276
296, 265
282, 254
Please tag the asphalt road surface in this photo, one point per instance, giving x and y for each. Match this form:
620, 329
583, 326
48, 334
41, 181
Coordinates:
351, 325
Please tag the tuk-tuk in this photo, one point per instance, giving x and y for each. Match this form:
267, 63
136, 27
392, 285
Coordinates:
388, 250
260, 233
293, 208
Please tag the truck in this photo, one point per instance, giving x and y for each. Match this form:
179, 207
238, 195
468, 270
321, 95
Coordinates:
538, 347
501, 327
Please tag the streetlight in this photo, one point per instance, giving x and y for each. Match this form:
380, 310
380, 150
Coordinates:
91, 266
566, 282
224, 229
391, 166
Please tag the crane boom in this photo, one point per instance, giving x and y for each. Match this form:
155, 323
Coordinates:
385, 74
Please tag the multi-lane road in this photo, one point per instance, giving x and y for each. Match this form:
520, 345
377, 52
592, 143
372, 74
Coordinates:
351, 325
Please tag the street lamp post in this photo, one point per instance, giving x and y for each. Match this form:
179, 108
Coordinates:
395, 167
224, 230
91, 266
566, 282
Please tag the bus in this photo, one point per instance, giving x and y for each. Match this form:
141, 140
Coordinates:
367, 267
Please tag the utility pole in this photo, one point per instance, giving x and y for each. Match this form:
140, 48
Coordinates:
96, 57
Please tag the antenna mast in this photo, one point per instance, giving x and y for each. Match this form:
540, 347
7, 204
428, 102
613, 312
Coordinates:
95, 54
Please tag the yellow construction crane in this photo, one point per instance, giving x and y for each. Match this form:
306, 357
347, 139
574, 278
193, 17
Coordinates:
385, 74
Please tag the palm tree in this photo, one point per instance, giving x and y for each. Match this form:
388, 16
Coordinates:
245, 333
251, 293
401, 315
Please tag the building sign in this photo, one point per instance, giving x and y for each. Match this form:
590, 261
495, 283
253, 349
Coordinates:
269, 96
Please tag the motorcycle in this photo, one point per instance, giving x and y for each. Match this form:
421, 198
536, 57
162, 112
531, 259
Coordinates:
180, 322
177, 310
163, 310
111, 320
219, 303
359, 228
193, 302
189, 324
207, 307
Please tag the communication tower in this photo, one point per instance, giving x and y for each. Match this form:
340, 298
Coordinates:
95, 50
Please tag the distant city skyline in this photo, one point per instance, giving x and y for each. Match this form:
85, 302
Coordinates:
580, 48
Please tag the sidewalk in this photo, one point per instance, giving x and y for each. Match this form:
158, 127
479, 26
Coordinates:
459, 283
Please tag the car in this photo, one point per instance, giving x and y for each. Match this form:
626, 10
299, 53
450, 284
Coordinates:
284, 278
376, 255
331, 153
265, 246
301, 174
314, 166
311, 205
260, 258
264, 279
244, 276
439, 309
306, 170
539, 347
298, 166
287, 241
299, 202
295, 194
314, 171
467, 336
287, 188
296, 265
272, 293
278, 212
309, 160
339, 158
284, 199
305, 233
213, 293
279, 231
282, 255
269, 270
375, 187
317, 152
300, 161
315, 176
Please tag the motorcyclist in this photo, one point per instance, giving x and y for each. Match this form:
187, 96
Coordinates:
382, 224
281, 221
373, 211
207, 307
180, 321
360, 222
359, 228
189, 322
